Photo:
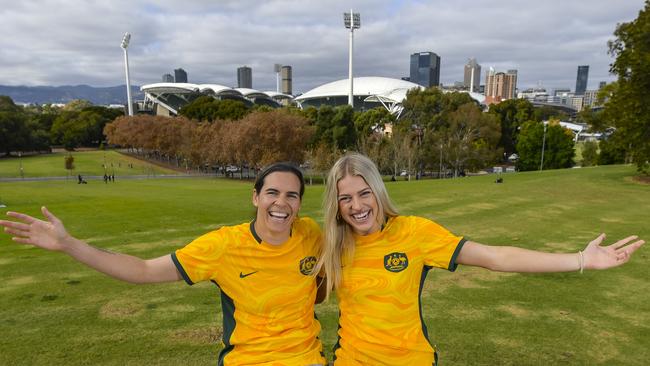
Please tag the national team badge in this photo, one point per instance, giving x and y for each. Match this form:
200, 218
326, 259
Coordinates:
396, 262
307, 265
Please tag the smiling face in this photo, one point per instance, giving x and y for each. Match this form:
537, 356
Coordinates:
358, 205
278, 203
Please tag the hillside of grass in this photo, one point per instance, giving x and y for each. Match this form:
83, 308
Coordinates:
86, 163
56, 311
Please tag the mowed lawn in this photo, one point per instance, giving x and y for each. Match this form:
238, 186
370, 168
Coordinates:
85, 163
56, 311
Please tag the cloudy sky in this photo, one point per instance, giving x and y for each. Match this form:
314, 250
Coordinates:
70, 42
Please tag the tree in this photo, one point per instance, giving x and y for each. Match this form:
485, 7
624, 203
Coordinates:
558, 146
14, 134
628, 107
73, 128
334, 127
371, 121
206, 108
512, 114
77, 105
612, 150
467, 142
589, 153
267, 137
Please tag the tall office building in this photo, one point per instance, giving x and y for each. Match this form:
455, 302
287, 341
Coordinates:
475, 82
425, 69
285, 74
581, 80
167, 78
245, 77
500, 86
180, 76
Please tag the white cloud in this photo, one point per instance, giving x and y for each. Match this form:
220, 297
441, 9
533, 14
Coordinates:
57, 42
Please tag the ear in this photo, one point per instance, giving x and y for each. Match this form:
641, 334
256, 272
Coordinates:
255, 198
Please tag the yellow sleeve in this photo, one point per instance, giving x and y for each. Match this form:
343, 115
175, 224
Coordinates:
199, 260
439, 245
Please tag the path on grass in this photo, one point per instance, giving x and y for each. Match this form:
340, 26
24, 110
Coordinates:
101, 177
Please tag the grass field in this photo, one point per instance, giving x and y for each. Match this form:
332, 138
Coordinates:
55, 311
86, 163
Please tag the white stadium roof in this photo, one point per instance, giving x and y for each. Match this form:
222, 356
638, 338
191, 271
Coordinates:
172, 96
387, 91
363, 86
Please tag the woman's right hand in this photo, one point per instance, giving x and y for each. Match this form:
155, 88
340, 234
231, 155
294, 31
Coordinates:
50, 234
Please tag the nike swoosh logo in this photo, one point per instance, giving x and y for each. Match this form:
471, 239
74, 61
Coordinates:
242, 275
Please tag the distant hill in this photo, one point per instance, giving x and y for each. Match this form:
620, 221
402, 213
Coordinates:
66, 93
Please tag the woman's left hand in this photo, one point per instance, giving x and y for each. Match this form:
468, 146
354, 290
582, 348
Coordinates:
602, 257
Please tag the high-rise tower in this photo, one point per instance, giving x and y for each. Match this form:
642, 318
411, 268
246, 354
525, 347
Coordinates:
500, 86
581, 80
180, 76
285, 74
472, 78
425, 69
245, 77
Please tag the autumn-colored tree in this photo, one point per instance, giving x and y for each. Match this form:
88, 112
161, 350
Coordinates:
266, 137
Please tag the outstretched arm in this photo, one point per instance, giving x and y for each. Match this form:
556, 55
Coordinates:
513, 259
51, 235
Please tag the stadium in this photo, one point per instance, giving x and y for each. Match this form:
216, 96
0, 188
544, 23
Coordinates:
369, 92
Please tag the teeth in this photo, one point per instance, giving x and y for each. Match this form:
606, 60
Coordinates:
361, 216
278, 215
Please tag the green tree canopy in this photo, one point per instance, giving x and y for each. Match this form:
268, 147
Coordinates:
512, 114
14, 134
206, 108
74, 128
628, 107
558, 146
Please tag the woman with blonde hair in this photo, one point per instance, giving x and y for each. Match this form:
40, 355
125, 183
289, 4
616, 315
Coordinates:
377, 261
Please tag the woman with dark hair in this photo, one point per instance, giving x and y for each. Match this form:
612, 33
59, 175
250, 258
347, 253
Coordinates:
263, 269
377, 261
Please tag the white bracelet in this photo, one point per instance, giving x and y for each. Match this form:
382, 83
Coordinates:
582, 261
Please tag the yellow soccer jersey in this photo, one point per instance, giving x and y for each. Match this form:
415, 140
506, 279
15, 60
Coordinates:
267, 292
379, 298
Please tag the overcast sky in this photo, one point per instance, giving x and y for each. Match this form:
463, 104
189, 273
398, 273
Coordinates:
70, 42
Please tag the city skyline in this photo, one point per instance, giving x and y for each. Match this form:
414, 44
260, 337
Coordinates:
51, 42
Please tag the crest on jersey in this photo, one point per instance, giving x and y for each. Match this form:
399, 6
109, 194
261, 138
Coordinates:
307, 265
396, 262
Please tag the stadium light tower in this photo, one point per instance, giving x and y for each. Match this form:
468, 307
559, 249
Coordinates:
352, 21
125, 44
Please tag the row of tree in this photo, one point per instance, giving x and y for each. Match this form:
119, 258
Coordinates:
258, 139
36, 128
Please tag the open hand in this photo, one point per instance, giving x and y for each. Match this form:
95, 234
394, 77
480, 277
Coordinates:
50, 234
601, 257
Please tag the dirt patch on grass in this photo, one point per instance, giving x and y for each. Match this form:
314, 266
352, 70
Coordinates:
507, 342
19, 281
210, 335
121, 310
514, 310
613, 220
468, 313
642, 179
560, 246
465, 278
179, 308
